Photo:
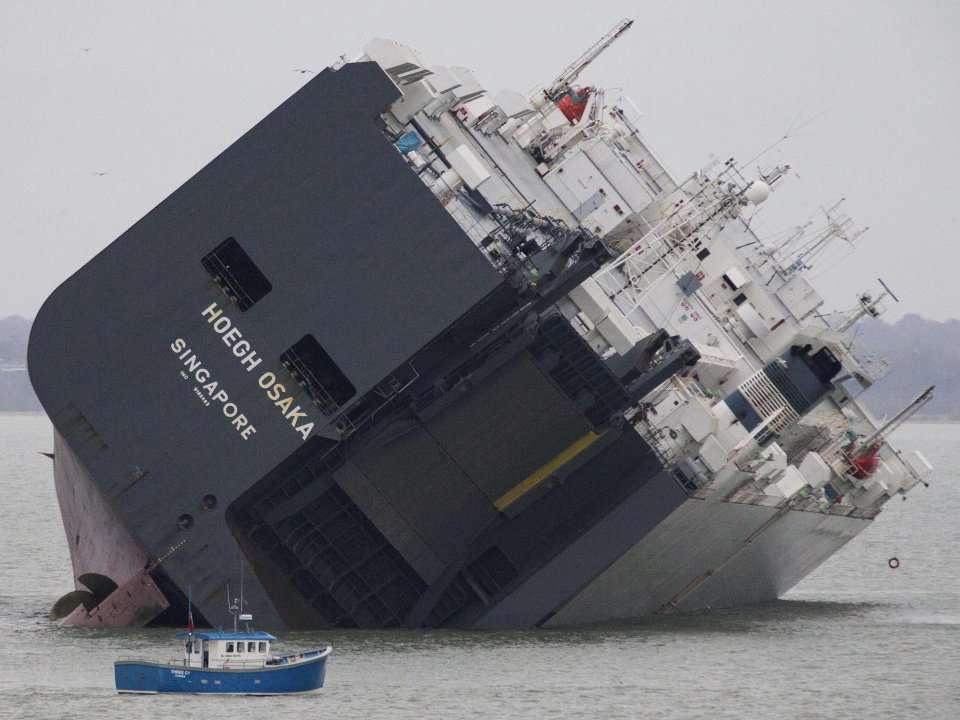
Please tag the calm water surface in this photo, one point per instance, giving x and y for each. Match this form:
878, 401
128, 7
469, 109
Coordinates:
854, 640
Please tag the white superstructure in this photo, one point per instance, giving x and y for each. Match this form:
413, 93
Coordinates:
741, 425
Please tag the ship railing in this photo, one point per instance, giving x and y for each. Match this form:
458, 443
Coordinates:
625, 112
658, 254
643, 266
476, 226
244, 664
296, 658
182, 662
656, 440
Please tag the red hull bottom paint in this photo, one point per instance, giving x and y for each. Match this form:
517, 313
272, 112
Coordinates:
133, 604
100, 544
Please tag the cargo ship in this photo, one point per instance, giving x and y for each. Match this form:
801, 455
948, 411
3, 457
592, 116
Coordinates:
418, 355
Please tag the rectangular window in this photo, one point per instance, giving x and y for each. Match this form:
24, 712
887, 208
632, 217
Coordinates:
263, 647
251, 647
236, 274
239, 647
229, 647
318, 374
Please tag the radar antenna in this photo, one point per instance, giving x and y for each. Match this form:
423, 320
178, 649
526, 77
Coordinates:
235, 606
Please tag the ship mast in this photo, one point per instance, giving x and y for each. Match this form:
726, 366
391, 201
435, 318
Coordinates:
868, 306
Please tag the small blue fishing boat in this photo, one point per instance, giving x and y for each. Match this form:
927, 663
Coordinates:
236, 663
231, 663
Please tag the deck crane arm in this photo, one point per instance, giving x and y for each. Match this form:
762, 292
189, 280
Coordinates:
565, 79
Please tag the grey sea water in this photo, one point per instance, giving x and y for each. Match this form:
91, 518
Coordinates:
854, 640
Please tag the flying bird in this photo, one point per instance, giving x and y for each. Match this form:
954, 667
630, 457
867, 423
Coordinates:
303, 71
99, 174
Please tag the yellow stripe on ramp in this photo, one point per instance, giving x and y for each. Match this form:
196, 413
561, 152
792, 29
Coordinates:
545, 471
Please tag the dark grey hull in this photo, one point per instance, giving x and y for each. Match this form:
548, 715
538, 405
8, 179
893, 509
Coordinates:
659, 551
300, 360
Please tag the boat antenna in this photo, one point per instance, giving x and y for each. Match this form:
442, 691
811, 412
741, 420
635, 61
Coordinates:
232, 607
190, 625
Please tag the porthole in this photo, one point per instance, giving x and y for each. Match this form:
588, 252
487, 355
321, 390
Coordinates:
185, 521
209, 502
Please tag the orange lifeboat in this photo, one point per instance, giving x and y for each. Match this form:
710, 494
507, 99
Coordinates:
865, 464
574, 103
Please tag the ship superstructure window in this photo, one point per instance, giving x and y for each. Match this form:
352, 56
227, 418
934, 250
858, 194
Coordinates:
237, 274
251, 647
318, 374
229, 647
263, 647
239, 647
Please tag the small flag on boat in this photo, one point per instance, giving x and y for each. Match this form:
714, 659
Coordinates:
190, 625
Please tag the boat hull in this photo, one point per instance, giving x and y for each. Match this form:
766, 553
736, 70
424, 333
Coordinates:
140, 677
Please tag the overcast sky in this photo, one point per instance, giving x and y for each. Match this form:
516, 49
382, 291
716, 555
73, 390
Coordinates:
148, 93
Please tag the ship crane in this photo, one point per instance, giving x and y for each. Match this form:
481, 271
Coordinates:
564, 81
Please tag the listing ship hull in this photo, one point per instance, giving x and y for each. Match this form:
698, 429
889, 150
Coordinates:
663, 550
302, 360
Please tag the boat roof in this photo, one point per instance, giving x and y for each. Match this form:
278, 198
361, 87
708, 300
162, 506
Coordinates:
223, 635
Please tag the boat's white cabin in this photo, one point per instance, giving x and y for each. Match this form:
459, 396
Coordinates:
218, 649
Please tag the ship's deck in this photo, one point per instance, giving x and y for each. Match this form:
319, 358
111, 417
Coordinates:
515, 180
